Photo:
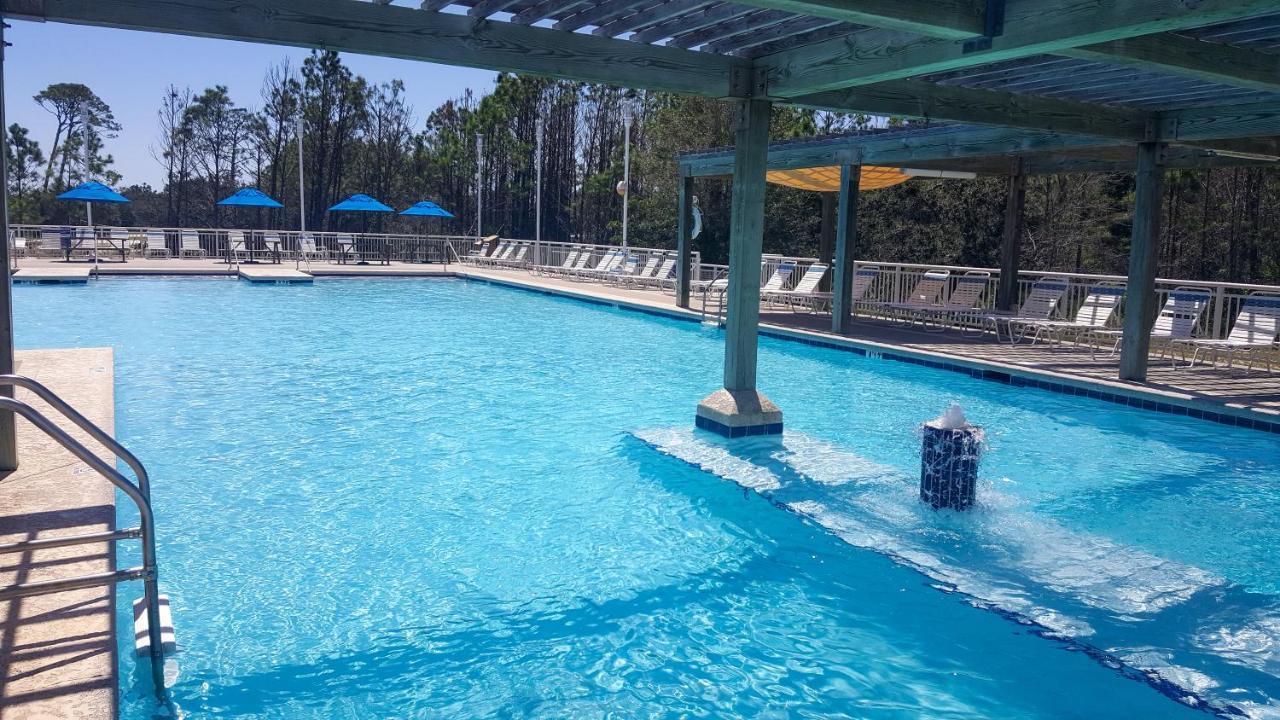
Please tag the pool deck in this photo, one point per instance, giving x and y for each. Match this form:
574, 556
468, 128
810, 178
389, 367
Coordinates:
58, 652
1237, 392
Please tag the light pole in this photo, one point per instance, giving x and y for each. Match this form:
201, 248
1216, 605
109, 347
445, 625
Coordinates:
537, 198
479, 186
626, 169
302, 198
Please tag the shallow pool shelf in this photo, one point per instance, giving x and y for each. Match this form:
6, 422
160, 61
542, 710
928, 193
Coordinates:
51, 275
274, 275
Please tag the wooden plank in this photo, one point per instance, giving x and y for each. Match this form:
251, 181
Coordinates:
392, 31
746, 241
728, 28
687, 22
1229, 121
684, 241
792, 27
1188, 57
1031, 27
952, 19
919, 99
594, 14
1144, 256
651, 16
1011, 242
544, 9
485, 8
846, 248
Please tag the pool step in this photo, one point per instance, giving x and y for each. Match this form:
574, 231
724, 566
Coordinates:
77, 274
274, 274
168, 638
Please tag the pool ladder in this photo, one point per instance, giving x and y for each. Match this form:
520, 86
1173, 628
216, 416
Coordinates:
140, 494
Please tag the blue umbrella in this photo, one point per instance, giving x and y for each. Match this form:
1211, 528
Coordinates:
426, 208
93, 192
360, 203
251, 197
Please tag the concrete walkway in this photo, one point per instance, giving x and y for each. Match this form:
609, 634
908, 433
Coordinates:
58, 652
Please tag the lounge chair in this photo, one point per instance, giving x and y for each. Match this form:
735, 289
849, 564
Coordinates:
778, 280
584, 258
805, 294
1177, 320
517, 259
659, 278
191, 245
628, 268
1093, 316
611, 259
961, 302
237, 246
650, 265
503, 252
155, 244
569, 260
1253, 333
923, 296
1038, 306
309, 250
49, 243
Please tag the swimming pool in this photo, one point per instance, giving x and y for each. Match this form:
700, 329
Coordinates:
432, 498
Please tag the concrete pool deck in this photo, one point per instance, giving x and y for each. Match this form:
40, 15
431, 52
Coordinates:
58, 652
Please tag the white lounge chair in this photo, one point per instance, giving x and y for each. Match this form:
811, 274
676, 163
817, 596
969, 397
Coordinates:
1254, 333
155, 245
611, 259
641, 271
962, 301
805, 294
665, 273
1093, 316
517, 259
584, 259
191, 245
237, 246
49, 243
778, 280
923, 296
1038, 306
569, 259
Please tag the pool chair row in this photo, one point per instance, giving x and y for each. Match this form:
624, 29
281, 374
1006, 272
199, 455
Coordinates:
501, 253
781, 289
648, 270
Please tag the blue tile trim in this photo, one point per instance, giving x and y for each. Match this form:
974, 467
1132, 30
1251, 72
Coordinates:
1271, 426
718, 428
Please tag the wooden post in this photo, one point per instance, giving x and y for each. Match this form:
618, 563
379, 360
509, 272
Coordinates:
739, 409
8, 441
684, 240
846, 247
1014, 223
1140, 298
746, 244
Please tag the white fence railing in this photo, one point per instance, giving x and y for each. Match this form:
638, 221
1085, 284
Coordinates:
895, 282
236, 245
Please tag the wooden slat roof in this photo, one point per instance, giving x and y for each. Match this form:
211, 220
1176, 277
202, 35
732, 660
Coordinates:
1192, 71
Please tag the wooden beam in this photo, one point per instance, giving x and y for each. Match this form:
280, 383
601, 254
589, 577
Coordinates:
1188, 57
1224, 122
684, 240
400, 32
952, 19
687, 22
595, 14
930, 101
1011, 242
846, 249
544, 9
1031, 27
728, 28
746, 243
649, 17
1144, 255
485, 8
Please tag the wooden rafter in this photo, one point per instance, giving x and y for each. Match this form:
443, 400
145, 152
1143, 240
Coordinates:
650, 16
1188, 57
951, 19
401, 32
918, 99
1031, 27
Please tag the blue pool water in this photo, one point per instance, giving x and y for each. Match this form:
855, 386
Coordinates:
421, 499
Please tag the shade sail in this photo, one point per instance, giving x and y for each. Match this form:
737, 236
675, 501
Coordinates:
251, 197
426, 208
827, 179
360, 203
93, 192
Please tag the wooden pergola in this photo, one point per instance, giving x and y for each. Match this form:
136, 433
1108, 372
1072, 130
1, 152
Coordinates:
972, 150
1142, 74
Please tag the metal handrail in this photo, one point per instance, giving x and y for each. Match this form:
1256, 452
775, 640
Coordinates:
706, 295
145, 530
84, 423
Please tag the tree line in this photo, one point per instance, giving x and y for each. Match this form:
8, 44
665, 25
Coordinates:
359, 136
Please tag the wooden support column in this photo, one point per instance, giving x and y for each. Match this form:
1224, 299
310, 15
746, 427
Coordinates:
684, 240
827, 232
739, 409
1140, 298
8, 442
1014, 223
846, 248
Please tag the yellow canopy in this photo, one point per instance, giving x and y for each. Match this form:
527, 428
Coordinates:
827, 179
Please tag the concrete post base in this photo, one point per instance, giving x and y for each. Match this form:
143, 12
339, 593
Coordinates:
739, 413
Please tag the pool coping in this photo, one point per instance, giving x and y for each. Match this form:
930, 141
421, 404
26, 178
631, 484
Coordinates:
1155, 400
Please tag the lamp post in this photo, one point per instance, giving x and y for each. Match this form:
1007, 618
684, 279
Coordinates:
479, 186
626, 169
537, 197
302, 198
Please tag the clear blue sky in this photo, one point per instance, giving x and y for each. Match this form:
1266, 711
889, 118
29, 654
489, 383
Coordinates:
130, 71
